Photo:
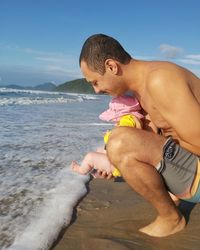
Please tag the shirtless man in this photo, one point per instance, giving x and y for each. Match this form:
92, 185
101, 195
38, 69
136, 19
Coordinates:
170, 95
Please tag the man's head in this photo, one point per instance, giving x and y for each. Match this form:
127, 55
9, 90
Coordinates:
100, 61
98, 48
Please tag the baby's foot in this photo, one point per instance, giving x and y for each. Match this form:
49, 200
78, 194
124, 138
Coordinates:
74, 166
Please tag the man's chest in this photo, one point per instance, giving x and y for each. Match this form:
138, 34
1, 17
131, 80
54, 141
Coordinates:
156, 117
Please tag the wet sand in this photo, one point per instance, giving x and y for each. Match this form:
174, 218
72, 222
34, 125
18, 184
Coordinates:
109, 216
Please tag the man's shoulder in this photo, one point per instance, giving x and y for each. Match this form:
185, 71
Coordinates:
162, 75
163, 79
158, 69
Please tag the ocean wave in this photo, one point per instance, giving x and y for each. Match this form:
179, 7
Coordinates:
45, 224
11, 97
28, 91
37, 142
90, 124
37, 100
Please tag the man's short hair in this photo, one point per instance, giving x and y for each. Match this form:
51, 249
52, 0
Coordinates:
98, 48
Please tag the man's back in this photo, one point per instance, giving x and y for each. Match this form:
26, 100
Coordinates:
171, 97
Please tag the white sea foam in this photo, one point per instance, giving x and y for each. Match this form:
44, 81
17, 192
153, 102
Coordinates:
13, 97
38, 142
85, 96
55, 213
91, 124
28, 91
28, 101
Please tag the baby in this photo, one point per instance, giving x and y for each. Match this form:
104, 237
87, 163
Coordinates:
123, 111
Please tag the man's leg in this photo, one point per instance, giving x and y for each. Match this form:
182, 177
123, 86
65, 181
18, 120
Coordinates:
136, 153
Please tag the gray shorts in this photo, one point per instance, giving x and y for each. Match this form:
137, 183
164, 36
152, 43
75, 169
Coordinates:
178, 167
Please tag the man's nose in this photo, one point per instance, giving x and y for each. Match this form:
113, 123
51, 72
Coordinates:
97, 90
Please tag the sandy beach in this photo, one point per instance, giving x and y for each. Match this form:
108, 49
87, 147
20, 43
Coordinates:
109, 217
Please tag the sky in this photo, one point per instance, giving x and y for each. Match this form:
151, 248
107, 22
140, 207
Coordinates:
40, 40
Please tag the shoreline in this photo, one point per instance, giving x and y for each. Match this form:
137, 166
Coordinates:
109, 216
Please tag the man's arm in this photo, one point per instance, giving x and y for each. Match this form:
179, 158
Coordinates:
174, 100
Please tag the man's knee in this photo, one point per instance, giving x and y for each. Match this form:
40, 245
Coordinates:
120, 145
138, 144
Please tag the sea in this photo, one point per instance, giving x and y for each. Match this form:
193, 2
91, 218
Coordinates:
40, 134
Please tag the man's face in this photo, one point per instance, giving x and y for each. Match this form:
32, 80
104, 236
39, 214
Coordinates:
108, 83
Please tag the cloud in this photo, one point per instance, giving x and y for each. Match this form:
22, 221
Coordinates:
15, 47
33, 51
27, 75
191, 59
41, 53
60, 65
146, 58
46, 65
62, 71
196, 71
49, 59
195, 57
9, 46
56, 63
170, 51
58, 58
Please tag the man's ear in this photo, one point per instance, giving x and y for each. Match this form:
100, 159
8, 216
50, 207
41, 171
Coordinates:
111, 66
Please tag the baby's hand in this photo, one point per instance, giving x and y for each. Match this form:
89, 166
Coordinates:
102, 174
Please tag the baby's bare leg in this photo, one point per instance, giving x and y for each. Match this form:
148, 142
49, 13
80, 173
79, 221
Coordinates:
101, 150
93, 160
77, 168
86, 166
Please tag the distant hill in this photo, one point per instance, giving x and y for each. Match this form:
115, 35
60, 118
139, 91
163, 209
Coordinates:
76, 86
13, 86
46, 86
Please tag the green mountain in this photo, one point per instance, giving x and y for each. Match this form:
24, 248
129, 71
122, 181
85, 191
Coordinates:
45, 86
48, 86
76, 86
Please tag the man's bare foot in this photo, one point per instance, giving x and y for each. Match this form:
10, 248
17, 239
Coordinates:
163, 227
